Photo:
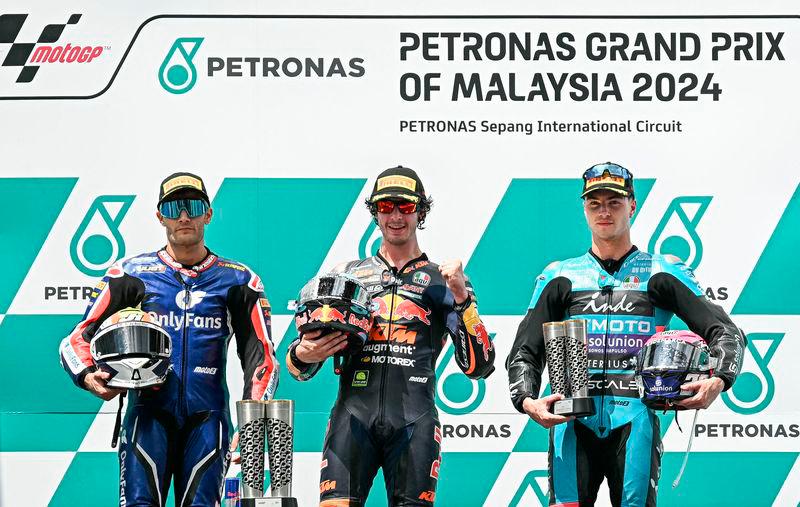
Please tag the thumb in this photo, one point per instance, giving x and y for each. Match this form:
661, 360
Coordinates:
691, 386
103, 374
234, 441
553, 397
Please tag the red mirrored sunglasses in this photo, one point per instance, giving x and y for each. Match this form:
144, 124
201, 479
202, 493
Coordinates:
405, 207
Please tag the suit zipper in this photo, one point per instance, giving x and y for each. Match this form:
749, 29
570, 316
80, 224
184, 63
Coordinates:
605, 358
184, 341
385, 366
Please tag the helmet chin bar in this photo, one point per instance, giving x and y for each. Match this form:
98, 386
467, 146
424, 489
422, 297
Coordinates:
136, 372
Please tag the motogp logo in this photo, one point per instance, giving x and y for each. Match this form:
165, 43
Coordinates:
29, 55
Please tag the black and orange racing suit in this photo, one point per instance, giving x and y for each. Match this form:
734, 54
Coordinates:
385, 414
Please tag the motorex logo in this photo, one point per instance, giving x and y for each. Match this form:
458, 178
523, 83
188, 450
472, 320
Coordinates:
177, 73
676, 233
97, 243
755, 387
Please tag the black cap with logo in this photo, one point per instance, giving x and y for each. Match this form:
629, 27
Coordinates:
181, 181
608, 176
397, 183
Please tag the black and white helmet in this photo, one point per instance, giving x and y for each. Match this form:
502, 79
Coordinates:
133, 348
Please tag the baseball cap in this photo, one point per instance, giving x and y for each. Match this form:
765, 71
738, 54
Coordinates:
608, 176
399, 183
180, 181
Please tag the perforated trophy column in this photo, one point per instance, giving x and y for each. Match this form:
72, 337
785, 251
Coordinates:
576, 345
273, 421
280, 440
250, 416
554, 336
565, 346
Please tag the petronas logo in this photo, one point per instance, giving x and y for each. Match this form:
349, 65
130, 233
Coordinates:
97, 243
177, 73
370, 242
676, 233
456, 393
755, 387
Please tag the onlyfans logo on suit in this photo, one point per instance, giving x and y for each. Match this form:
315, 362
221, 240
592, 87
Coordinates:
186, 301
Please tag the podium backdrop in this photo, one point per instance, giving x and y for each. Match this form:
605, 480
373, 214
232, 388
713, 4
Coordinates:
290, 117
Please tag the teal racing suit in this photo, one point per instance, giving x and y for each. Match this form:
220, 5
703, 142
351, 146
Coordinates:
625, 302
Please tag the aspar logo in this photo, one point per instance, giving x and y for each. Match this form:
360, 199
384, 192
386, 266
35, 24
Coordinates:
535, 480
44, 51
177, 73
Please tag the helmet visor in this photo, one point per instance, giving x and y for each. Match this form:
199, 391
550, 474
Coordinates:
669, 354
338, 286
129, 338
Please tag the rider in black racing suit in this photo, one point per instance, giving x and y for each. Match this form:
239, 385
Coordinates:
385, 414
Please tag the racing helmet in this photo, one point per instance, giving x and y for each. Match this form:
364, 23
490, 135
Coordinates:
133, 348
668, 360
336, 301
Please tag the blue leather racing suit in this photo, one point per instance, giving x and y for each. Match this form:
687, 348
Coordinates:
624, 302
182, 428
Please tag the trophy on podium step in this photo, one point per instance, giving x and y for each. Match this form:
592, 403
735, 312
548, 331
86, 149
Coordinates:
566, 346
273, 420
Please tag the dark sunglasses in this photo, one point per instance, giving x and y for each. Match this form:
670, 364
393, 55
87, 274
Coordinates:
612, 169
405, 207
193, 207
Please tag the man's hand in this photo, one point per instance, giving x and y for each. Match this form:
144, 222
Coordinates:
539, 410
314, 348
95, 382
453, 273
706, 392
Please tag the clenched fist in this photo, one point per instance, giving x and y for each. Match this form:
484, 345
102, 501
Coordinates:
453, 273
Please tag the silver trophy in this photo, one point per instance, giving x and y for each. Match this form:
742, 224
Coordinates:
565, 345
273, 421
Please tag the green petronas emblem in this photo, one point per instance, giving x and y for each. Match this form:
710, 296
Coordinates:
177, 73
370, 242
97, 243
754, 389
456, 393
676, 233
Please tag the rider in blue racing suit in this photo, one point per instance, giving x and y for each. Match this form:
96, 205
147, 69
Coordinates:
626, 296
182, 428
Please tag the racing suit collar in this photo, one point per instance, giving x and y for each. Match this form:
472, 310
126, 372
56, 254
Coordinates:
421, 257
611, 266
190, 271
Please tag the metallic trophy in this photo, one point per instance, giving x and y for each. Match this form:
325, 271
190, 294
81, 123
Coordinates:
280, 439
565, 345
273, 420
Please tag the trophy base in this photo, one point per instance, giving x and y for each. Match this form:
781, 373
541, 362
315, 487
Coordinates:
269, 501
576, 407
